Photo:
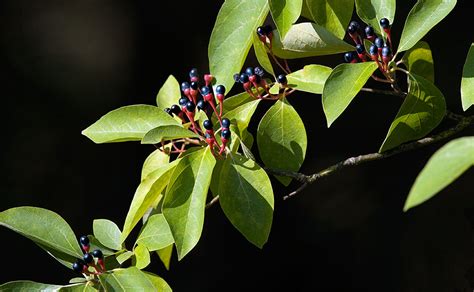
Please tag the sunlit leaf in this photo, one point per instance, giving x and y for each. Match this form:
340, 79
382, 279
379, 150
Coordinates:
467, 83
333, 15
310, 79
107, 233
371, 11
285, 13
169, 94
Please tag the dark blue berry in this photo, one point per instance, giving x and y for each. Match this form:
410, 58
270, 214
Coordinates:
282, 79
201, 105
244, 78
237, 77
249, 71
225, 134
205, 90
369, 31
175, 109
184, 86
351, 29
207, 125
195, 85
220, 89
373, 50
268, 29
98, 254
183, 101
386, 52
84, 240
259, 71
168, 111
78, 266
348, 57
360, 49
88, 258
225, 123
379, 43
190, 106
261, 31
355, 24
385, 23
193, 73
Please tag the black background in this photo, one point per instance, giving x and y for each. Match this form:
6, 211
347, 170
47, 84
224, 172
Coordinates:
66, 63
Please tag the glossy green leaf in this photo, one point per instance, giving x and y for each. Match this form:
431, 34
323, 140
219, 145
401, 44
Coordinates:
237, 100
246, 197
285, 13
444, 167
16, 286
158, 282
107, 233
95, 244
232, 37
422, 111
121, 258
310, 79
142, 256
185, 199
281, 139
421, 19
165, 255
262, 55
467, 83
146, 195
419, 60
308, 40
371, 11
169, 93
44, 227
128, 123
84, 287
129, 279
165, 133
333, 15
154, 161
342, 85
240, 117
156, 233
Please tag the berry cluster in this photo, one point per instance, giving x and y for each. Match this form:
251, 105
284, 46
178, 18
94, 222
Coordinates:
252, 78
196, 98
379, 51
95, 259
265, 33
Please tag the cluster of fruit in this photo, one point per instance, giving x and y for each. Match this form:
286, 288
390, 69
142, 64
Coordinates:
93, 260
379, 51
252, 78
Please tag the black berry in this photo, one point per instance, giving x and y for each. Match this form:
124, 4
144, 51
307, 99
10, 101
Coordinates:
201, 105
259, 71
373, 50
282, 79
353, 27
175, 109
225, 123
385, 23
379, 43
261, 31
237, 77
348, 57
205, 90
207, 125
244, 78
168, 111
386, 52
78, 266
249, 71
225, 134
360, 49
97, 254
84, 240
193, 73
184, 86
183, 101
88, 258
369, 31
220, 89
195, 85
190, 106
355, 24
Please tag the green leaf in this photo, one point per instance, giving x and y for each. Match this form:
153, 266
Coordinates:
44, 227
281, 139
345, 81
128, 123
165, 255
285, 13
169, 93
240, 117
159, 283
107, 233
420, 61
146, 195
309, 79
422, 111
421, 19
63, 258
84, 287
129, 279
235, 101
121, 258
154, 161
95, 244
444, 167
16, 286
333, 15
156, 233
467, 83
371, 11
185, 199
232, 37
246, 197
169, 132
142, 256
308, 40
262, 55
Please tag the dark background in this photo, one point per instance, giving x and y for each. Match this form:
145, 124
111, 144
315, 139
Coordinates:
66, 63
